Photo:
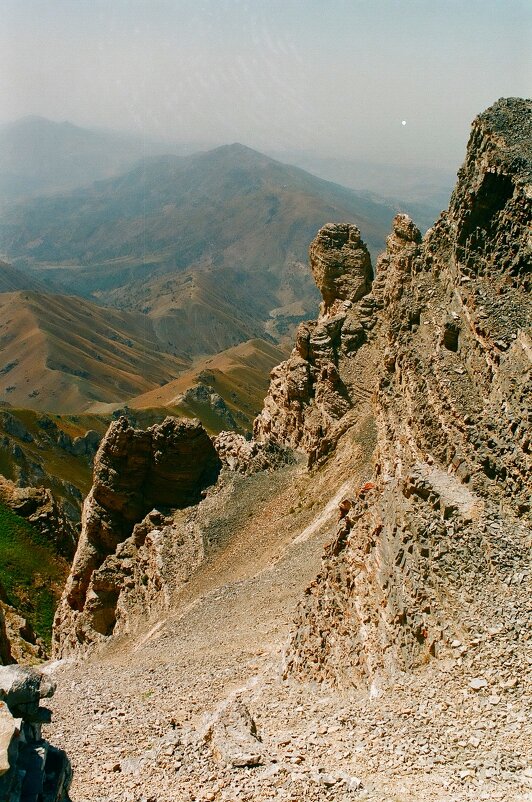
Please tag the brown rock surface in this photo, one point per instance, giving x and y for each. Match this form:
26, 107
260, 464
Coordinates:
340, 263
233, 737
18, 640
311, 394
428, 554
247, 456
166, 466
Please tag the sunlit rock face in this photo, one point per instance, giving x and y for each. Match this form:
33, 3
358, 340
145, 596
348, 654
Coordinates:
313, 391
428, 375
340, 263
165, 467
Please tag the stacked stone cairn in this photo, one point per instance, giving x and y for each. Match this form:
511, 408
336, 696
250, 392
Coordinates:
31, 770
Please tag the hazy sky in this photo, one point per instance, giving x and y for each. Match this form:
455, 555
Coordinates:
336, 77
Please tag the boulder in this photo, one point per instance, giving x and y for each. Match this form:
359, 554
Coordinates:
233, 737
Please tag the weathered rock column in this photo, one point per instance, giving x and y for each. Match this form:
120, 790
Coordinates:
309, 394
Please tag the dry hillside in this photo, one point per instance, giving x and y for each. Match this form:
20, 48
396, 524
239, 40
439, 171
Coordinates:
61, 353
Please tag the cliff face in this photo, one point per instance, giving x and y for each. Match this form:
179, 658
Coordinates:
435, 361
166, 467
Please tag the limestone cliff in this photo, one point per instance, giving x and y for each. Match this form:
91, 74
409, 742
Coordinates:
435, 360
166, 467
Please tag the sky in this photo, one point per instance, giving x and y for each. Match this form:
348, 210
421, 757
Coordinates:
389, 81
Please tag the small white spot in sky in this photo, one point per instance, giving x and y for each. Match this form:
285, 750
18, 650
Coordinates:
403, 122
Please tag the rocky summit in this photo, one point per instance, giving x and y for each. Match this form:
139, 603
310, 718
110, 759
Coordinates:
337, 609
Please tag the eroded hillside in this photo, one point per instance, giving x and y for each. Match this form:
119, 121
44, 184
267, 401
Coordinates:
61, 353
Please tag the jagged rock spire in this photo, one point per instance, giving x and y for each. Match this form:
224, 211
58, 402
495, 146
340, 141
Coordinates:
340, 263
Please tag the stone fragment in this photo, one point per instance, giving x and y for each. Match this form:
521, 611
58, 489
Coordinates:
233, 737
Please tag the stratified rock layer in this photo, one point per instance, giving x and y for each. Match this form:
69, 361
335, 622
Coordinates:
429, 373
166, 467
341, 264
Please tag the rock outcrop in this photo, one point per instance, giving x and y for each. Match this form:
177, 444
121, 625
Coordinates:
18, 640
203, 398
42, 510
244, 456
341, 265
85, 445
31, 769
435, 361
314, 390
139, 476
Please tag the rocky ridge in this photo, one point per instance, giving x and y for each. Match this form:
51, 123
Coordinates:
167, 466
426, 551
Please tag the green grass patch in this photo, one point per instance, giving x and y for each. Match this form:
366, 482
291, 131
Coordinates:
31, 572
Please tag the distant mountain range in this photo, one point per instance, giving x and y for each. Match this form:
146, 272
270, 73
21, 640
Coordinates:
38, 156
213, 247
194, 255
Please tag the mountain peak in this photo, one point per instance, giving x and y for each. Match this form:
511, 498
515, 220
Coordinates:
240, 152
